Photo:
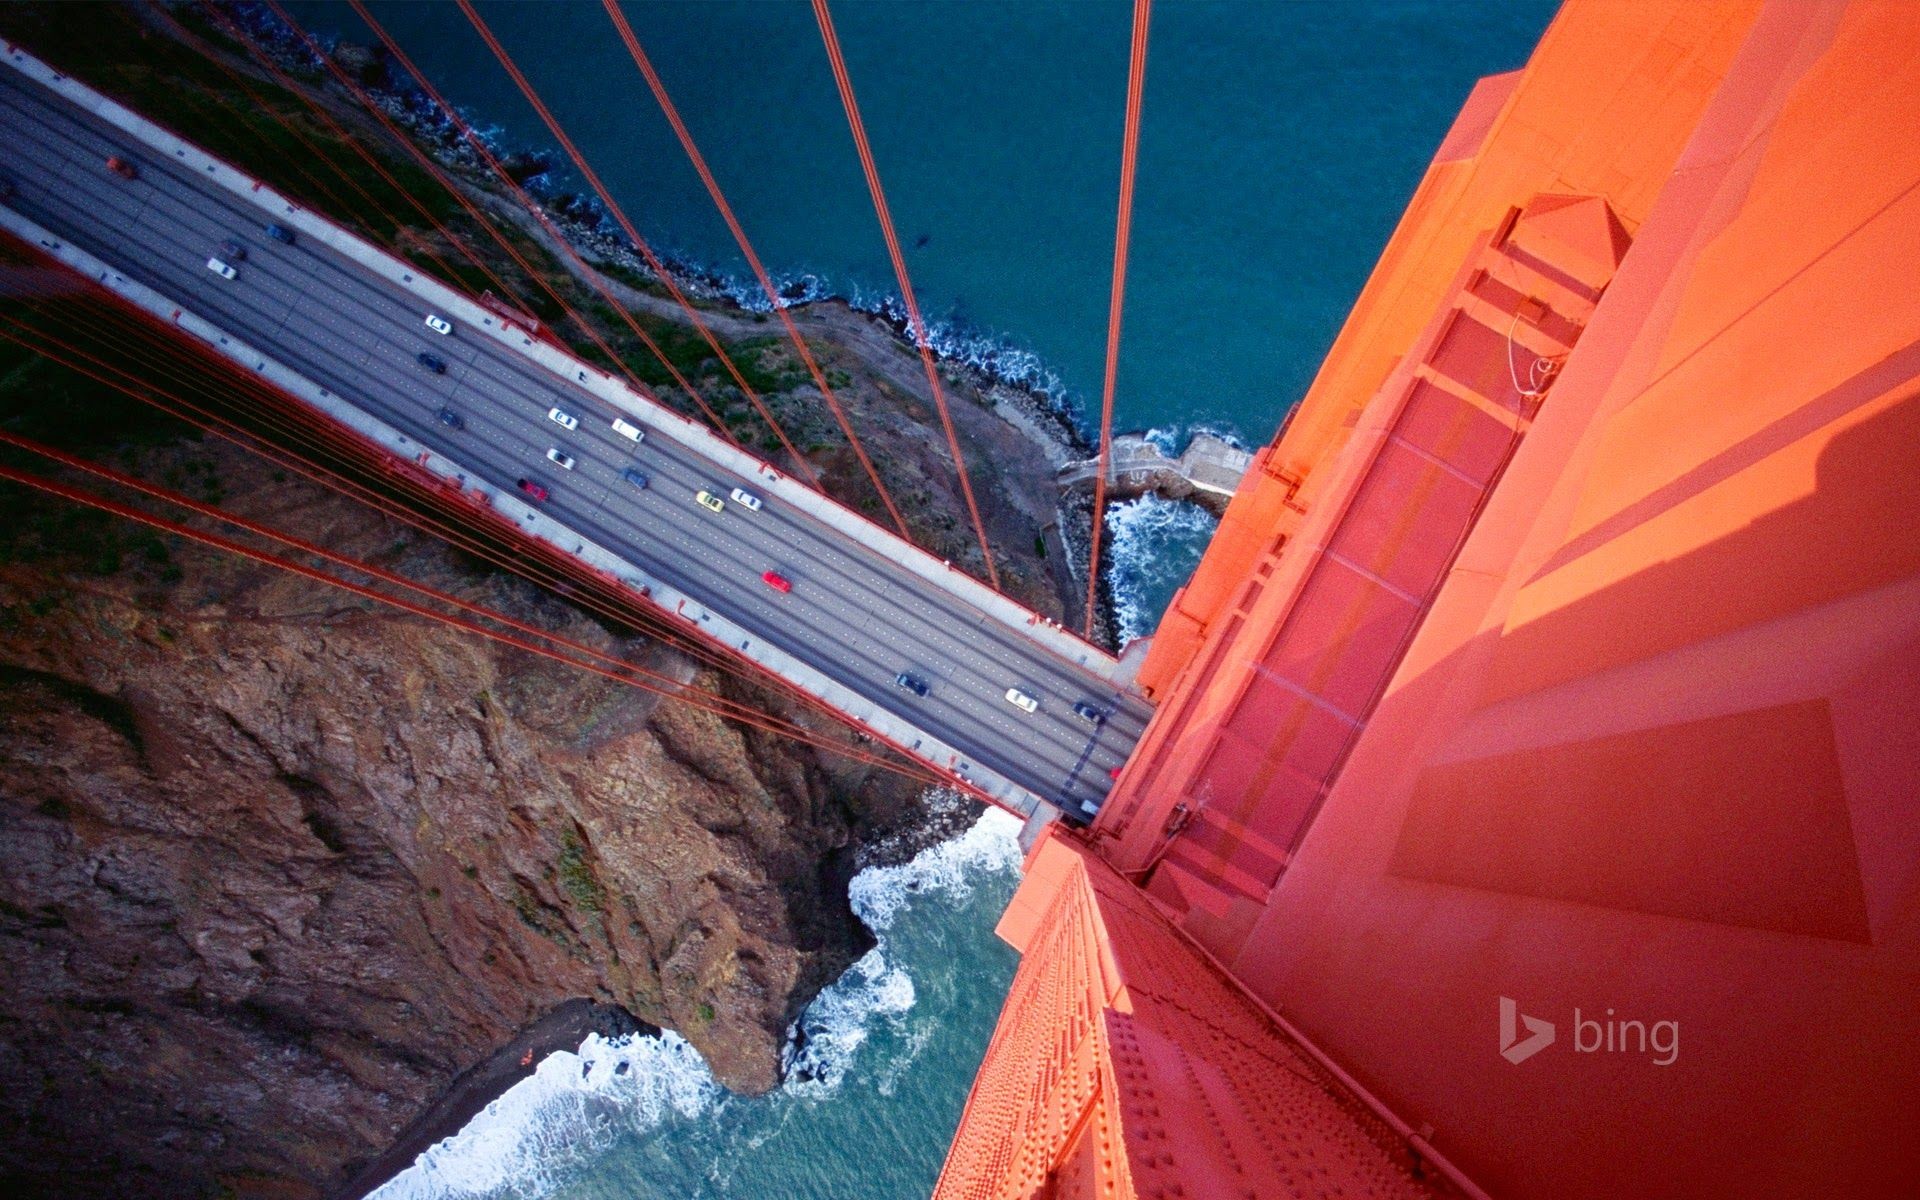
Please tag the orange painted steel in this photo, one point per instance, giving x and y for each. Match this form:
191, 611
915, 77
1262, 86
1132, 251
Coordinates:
1337, 612
1125, 1064
1556, 661
844, 82
1117, 289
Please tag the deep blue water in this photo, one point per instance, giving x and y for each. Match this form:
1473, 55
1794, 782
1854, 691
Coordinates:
1280, 143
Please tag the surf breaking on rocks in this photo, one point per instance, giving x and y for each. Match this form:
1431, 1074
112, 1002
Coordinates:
535, 1137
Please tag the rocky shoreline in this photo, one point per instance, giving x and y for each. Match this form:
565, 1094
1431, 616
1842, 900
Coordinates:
282, 872
296, 885
562, 1029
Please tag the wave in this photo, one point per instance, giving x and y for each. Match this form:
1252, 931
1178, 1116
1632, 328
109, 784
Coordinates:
537, 1135
1173, 439
571, 1108
1156, 543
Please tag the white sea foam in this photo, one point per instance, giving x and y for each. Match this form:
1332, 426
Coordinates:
531, 1139
1156, 543
990, 845
571, 1107
1173, 439
845, 1015
951, 339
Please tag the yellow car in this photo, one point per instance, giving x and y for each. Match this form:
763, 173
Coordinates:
709, 500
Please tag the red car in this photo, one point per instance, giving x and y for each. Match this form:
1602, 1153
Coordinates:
777, 581
121, 167
532, 489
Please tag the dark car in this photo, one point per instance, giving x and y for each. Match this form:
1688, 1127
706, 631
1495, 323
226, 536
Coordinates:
451, 419
6, 188
917, 686
1089, 712
531, 488
281, 234
431, 362
233, 251
123, 167
634, 477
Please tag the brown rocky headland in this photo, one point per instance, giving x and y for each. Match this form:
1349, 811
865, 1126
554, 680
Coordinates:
290, 881
277, 865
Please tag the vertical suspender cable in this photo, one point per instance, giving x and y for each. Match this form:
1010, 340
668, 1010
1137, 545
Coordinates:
479, 146
189, 38
286, 83
746, 248
591, 277
142, 390
1129, 152
854, 123
633, 235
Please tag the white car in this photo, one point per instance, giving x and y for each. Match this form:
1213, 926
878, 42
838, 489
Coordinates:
439, 324
632, 433
221, 269
560, 459
1022, 701
746, 500
563, 419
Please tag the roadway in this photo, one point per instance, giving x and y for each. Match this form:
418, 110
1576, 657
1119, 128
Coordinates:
852, 615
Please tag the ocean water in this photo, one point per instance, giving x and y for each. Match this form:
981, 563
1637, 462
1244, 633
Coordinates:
870, 1101
1280, 142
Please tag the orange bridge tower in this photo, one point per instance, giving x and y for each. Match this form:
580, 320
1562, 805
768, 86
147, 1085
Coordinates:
1532, 807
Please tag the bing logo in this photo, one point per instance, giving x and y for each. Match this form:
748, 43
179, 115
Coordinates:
1590, 1036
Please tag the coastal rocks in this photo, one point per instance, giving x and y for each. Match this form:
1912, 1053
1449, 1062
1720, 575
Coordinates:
278, 867
367, 65
1207, 472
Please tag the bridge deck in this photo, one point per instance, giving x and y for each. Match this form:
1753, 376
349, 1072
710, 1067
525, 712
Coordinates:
337, 323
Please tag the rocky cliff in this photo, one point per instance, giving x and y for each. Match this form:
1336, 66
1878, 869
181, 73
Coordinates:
278, 866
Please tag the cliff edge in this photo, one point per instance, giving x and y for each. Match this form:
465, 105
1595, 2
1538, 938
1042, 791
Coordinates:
278, 866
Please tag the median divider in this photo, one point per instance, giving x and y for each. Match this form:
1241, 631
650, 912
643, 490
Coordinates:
447, 476
438, 297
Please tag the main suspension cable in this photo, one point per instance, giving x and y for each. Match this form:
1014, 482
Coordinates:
212, 512
265, 558
1123, 231
535, 568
